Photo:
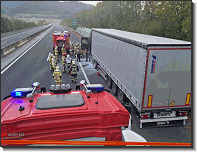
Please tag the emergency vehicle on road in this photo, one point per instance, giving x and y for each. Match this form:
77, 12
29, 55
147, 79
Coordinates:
65, 114
59, 39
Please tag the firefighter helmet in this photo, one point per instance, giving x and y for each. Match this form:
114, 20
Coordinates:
54, 57
73, 62
57, 67
51, 55
64, 54
68, 56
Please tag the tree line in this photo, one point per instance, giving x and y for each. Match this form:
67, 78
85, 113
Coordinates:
12, 24
171, 19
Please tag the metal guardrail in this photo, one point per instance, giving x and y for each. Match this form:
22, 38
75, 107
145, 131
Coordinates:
11, 47
17, 31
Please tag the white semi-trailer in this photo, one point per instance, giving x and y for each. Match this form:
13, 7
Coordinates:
154, 73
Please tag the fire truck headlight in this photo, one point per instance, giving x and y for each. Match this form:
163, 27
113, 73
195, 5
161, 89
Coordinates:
63, 86
68, 86
52, 87
57, 86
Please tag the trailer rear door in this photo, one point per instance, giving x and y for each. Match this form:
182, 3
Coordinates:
168, 80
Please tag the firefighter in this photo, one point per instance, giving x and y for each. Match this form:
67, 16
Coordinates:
56, 53
50, 62
68, 61
54, 63
81, 51
73, 72
72, 48
87, 53
64, 62
57, 75
78, 52
75, 49
63, 50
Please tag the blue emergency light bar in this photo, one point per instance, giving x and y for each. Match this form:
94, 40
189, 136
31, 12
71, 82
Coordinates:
21, 92
95, 87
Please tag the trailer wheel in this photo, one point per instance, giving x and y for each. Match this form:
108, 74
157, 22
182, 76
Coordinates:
109, 82
114, 88
121, 95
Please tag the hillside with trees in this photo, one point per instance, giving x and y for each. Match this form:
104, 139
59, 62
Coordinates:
12, 24
171, 19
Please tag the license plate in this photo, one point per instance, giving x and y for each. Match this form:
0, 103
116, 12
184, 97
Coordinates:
163, 114
161, 123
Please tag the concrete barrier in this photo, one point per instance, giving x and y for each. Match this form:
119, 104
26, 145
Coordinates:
10, 48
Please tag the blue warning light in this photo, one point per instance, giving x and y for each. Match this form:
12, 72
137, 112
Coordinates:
21, 92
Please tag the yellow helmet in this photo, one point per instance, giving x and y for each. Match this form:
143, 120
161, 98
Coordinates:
51, 55
73, 62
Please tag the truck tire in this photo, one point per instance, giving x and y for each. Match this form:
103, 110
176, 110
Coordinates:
114, 88
109, 82
121, 96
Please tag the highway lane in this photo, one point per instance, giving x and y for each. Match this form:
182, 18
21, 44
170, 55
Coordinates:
34, 67
5, 41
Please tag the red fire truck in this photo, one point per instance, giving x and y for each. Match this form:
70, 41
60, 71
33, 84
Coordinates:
91, 114
61, 38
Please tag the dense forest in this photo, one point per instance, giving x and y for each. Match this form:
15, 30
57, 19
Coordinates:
12, 24
170, 19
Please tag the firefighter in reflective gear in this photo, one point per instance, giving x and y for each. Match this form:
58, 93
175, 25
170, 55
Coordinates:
64, 62
50, 62
75, 48
57, 75
68, 61
56, 53
81, 51
73, 72
77, 52
72, 48
63, 50
54, 63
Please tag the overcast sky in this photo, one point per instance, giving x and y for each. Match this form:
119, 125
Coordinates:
90, 2
87, 2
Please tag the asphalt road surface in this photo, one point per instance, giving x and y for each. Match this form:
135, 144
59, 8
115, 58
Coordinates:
34, 67
5, 41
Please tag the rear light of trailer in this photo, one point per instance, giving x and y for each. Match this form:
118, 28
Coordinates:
150, 98
145, 116
182, 113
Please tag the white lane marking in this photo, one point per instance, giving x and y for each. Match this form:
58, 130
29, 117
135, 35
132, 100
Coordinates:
3, 43
48, 56
88, 82
26, 51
